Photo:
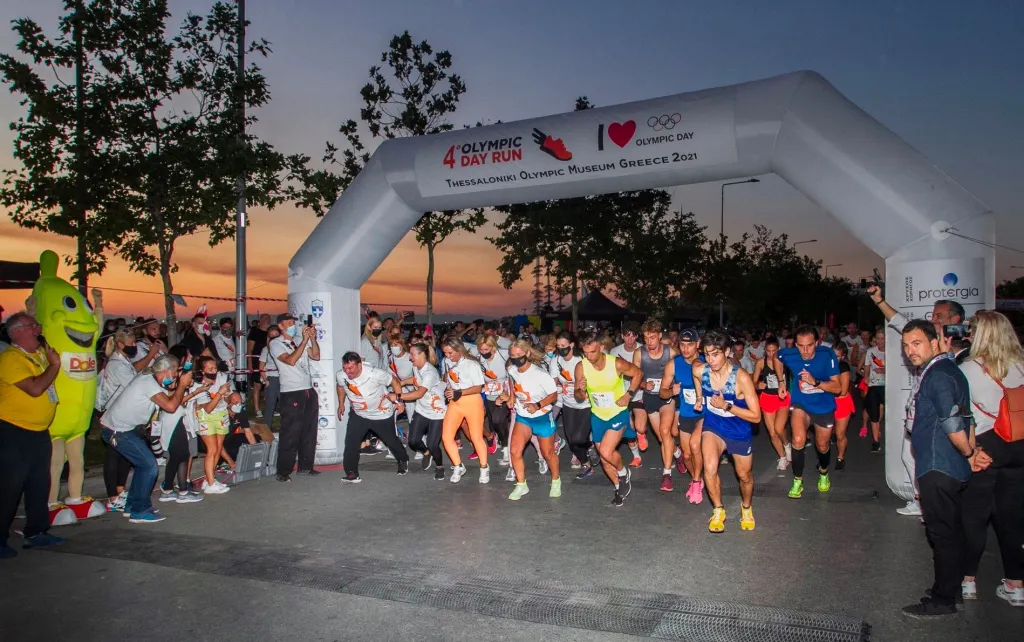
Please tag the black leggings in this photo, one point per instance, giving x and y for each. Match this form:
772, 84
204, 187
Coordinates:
497, 420
115, 471
576, 424
358, 428
177, 460
426, 433
418, 428
873, 402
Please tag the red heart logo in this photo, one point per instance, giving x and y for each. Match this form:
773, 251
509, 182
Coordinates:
622, 133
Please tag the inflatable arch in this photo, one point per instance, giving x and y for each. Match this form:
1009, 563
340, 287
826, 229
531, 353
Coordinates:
796, 125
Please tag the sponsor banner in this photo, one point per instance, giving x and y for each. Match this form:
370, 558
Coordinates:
672, 134
303, 305
80, 366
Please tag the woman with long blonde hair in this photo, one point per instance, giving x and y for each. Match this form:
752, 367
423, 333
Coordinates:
465, 378
118, 372
534, 394
494, 361
996, 363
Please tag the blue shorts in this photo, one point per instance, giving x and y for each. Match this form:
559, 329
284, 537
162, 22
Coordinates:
542, 426
598, 426
736, 447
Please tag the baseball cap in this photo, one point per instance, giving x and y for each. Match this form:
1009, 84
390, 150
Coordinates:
281, 318
689, 335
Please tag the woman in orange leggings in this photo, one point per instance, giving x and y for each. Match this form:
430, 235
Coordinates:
465, 383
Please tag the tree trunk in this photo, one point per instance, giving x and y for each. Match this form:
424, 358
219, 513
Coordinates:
170, 317
575, 304
430, 283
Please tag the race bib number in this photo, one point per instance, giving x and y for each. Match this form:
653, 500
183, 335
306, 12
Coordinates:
155, 429
568, 389
603, 399
689, 396
656, 384
51, 394
492, 387
808, 389
772, 381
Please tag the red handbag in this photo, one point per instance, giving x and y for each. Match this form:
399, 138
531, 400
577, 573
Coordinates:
1009, 423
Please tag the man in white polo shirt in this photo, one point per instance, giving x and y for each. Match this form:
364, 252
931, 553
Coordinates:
300, 406
161, 389
373, 410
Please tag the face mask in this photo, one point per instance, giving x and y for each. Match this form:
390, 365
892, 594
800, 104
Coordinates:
187, 367
130, 351
227, 332
210, 375
236, 408
551, 355
291, 331
166, 382
377, 332
396, 350
517, 361
485, 355
565, 352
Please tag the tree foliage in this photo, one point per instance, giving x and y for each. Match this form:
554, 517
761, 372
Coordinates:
1011, 289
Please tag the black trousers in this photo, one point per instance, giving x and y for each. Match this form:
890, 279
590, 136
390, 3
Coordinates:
299, 411
177, 459
941, 504
359, 427
24, 471
996, 494
497, 420
576, 424
425, 435
115, 470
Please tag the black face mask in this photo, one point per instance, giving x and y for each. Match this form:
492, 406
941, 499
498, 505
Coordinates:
377, 332
517, 361
210, 375
485, 355
130, 351
565, 352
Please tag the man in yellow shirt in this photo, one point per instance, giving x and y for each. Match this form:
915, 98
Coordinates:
28, 402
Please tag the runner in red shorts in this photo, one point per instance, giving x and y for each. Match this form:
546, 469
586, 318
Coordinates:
844, 404
774, 410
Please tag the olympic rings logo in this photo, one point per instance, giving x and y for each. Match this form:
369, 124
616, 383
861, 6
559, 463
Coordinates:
666, 122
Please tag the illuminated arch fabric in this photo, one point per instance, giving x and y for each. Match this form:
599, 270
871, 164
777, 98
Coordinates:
797, 126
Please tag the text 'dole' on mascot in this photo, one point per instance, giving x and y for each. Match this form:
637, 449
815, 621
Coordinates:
70, 327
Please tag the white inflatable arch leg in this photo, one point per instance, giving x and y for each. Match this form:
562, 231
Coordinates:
796, 125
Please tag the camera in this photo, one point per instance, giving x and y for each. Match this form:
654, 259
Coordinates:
876, 279
956, 331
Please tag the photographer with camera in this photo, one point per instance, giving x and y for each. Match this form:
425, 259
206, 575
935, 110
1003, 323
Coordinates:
944, 313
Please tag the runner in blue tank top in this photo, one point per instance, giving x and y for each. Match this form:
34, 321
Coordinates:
728, 393
678, 382
812, 392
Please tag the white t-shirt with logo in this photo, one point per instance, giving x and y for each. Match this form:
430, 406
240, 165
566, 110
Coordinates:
530, 387
294, 377
134, 406
987, 394
874, 358
368, 393
755, 354
621, 352
467, 373
431, 405
225, 348
205, 397
269, 364
495, 374
563, 371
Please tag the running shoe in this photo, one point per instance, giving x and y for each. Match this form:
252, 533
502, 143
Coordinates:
840, 464
789, 452
146, 517
641, 439
391, 456
216, 488
680, 463
312, 472
188, 498
41, 540
694, 493
969, 590
747, 518
380, 446
863, 432
418, 456
876, 447
473, 456
626, 484
717, 522
510, 474
913, 508
520, 489
593, 456
438, 473
927, 609
458, 443
1015, 596
368, 450
617, 499
575, 465
796, 491
666, 483
724, 461
556, 488
351, 478
283, 478
485, 475
259, 414
493, 446
678, 454
167, 496
403, 468
457, 473
782, 464
559, 445
542, 465
425, 462
587, 471
504, 460
636, 463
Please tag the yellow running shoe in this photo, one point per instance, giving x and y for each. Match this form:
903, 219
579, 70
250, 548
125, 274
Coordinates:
556, 488
519, 490
747, 518
717, 522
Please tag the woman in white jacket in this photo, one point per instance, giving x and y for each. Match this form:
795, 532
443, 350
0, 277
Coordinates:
118, 372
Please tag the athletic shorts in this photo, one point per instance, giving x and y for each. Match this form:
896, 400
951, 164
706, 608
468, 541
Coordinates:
736, 447
873, 402
212, 423
770, 403
653, 403
636, 404
542, 426
844, 407
825, 420
689, 424
598, 426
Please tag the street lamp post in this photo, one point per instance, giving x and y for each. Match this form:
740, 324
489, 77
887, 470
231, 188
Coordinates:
800, 242
721, 237
831, 265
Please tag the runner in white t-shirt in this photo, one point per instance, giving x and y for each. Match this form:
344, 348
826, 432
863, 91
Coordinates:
494, 362
428, 420
575, 413
626, 351
465, 379
373, 411
872, 367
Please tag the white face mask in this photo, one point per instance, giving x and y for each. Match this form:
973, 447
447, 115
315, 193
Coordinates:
236, 408
396, 350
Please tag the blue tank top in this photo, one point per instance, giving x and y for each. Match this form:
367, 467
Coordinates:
687, 391
719, 421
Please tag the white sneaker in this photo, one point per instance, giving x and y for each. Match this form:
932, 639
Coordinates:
912, 508
783, 463
504, 461
510, 476
576, 465
418, 456
1015, 596
969, 590
389, 455
457, 473
380, 447
559, 445
678, 454
789, 452
216, 488
543, 465
485, 475
161, 461
259, 414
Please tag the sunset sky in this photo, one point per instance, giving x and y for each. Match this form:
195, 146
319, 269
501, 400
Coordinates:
943, 74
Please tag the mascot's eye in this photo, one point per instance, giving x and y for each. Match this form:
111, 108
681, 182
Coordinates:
69, 304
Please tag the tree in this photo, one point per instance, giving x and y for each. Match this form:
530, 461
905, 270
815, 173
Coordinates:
415, 96
66, 141
1011, 289
182, 138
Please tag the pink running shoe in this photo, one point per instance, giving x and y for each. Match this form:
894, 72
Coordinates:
473, 456
695, 493
863, 432
493, 447
681, 466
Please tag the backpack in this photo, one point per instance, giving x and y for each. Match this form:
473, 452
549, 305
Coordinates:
1009, 423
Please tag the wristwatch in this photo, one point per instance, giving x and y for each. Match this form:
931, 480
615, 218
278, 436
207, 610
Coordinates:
630, 392
728, 406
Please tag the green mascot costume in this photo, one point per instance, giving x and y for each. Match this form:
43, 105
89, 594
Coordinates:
70, 327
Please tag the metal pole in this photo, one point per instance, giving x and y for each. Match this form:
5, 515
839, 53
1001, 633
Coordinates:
80, 215
721, 238
241, 325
